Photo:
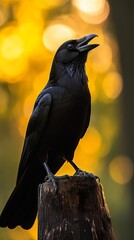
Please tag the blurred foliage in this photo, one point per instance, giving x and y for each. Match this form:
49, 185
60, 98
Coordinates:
30, 33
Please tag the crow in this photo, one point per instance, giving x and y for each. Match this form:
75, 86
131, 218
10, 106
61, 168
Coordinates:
59, 120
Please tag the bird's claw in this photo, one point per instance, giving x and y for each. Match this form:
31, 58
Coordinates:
64, 177
52, 179
79, 172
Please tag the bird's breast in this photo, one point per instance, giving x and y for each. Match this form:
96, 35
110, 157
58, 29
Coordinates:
67, 115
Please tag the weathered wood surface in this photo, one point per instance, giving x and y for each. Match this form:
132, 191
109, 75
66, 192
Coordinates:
76, 211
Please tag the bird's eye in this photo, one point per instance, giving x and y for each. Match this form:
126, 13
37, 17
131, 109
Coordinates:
70, 46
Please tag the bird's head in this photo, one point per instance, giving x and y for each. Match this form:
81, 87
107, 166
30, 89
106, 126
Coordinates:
75, 49
71, 57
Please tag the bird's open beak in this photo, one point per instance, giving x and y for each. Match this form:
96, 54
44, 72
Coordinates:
82, 43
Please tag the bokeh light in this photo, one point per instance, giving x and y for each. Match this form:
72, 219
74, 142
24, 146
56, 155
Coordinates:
121, 169
92, 11
12, 47
60, 32
93, 7
112, 85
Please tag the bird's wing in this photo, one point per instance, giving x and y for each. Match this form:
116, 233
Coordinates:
87, 120
36, 125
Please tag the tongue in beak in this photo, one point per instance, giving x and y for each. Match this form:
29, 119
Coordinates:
83, 43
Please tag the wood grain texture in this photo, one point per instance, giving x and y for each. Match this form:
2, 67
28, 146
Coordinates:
76, 211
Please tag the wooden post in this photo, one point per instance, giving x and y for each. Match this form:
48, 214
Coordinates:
77, 211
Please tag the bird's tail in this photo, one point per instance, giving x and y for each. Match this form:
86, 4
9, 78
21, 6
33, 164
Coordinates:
21, 208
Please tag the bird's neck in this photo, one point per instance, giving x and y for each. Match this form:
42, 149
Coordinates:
74, 70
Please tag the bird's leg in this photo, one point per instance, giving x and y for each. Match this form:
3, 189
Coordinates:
76, 168
50, 175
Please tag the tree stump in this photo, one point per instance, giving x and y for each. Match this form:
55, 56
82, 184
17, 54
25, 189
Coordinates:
77, 210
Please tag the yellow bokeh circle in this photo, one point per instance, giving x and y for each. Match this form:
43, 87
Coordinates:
121, 169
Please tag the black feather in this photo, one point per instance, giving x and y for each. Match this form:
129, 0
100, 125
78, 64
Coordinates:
59, 119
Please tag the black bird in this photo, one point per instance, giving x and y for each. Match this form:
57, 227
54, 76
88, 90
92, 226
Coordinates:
59, 120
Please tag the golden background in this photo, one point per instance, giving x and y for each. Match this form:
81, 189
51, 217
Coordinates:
30, 33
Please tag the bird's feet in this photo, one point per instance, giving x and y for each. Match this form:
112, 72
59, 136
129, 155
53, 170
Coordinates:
52, 178
80, 172
64, 177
